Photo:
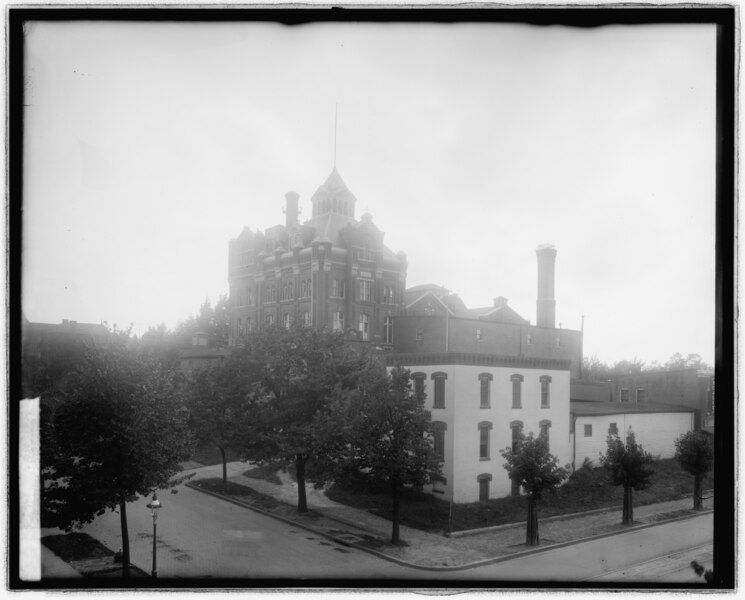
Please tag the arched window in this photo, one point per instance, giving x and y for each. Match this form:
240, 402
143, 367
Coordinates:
365, 326
438, 432
517, 381
270, 319
388, 330
419, 384
306, 319
484, 480
338, 321
485, 380
544, 426
439, 379
545, 389
484, 429
286, 320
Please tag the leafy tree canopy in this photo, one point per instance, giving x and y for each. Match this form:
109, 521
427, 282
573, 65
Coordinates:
695, 452
628, 464
120, 432
532, 466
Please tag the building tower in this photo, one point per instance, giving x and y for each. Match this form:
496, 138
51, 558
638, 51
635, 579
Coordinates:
546, 303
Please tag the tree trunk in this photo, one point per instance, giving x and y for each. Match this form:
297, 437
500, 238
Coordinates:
531, 532
396, 497
224, 467
302, 502
698, 503
125, 537
628, 505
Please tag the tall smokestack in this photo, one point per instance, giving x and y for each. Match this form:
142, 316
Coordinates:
546, 303
291, 210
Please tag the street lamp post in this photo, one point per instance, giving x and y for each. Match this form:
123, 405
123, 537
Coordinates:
154, 506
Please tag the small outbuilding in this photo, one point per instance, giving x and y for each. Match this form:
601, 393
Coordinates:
656, 427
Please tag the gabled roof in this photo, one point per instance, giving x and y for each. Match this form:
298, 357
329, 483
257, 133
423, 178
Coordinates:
434, 297
328, 226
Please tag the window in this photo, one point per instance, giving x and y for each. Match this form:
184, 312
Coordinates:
588, 430
545, 388
251, 297
365, 326
305, 288
478, 334
270, 319
338, 321
439, 379
419, 384
365, 290
364, 254
517, 381
484, 480
388, 330
240, 327
613, 429
306, 319
640, 394
484, 428
270, 293
558, 341
485, 385
337, 288
544, 426
286, 320
517, 429
624, 395
388, 297
438, 430
530, 339
419, 334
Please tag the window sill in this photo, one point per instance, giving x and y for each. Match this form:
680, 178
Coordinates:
545, 407
484, 406
516, 407
482, 458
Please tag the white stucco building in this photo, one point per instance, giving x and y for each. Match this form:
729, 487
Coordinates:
655, 426
478, 403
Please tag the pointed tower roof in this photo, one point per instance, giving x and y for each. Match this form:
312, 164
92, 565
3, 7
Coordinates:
333, 187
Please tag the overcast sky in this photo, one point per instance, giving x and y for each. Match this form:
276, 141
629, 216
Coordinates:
149, 146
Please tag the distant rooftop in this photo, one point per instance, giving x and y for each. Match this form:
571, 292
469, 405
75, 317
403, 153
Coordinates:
585, 409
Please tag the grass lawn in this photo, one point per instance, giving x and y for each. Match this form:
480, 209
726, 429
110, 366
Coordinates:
587, 489
80, 546
239, 492
265, 472
208, 455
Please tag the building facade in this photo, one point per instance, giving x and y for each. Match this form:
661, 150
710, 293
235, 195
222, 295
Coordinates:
692, 387
331, 272
655, 426
479, 403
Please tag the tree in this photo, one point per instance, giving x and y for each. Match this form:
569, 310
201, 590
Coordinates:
120, 432
695, 455
219, 400
534, 468
691, 361
298, 371
390, 436
628, 465
215, 322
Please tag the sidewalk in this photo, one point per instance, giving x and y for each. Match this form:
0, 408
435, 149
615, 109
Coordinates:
52, 566
424, 549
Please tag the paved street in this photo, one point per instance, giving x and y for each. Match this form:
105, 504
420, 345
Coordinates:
202, 536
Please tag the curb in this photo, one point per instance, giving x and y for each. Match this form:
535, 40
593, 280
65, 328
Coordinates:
594, 511
479, 563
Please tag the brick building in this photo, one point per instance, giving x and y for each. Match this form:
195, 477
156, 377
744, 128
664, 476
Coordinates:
691, 387
331, 271
436, 320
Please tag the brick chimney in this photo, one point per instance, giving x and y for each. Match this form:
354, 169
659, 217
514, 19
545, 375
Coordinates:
546, 303
291, 209
500, 301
